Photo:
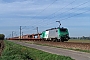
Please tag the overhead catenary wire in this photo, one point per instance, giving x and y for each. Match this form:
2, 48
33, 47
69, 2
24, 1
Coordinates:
43, 10
63, 19
58, 10
68, 10
28, 28
71, 16
76, 15
62, 13
72, 9
49, 6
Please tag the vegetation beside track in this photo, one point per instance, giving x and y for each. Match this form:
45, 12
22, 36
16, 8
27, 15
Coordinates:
79, 41
14, 51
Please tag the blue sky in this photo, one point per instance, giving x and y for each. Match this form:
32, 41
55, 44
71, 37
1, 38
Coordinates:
73, 14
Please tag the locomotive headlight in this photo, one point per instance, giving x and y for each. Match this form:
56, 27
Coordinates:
66, 38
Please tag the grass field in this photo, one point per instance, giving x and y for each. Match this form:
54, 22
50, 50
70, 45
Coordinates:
77, 40
14, 51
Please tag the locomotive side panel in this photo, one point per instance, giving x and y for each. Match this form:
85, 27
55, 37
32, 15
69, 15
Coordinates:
46, 34
53, 33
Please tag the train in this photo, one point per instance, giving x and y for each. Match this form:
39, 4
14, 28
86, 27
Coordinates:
56, 34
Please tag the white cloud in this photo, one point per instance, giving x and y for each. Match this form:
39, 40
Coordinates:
35, 12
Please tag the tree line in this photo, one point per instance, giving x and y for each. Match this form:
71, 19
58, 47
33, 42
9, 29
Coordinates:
83, 37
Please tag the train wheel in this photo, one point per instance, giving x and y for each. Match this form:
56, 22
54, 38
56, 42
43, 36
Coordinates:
62, 40
54, 40
58, 40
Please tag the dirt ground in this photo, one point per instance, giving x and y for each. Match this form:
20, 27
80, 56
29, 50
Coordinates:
1, 46
73, 45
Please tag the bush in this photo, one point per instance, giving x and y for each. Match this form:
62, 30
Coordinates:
2, 36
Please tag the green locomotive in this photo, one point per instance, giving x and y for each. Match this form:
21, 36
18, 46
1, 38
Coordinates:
56, 34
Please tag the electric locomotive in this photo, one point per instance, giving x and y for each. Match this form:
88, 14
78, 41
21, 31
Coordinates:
56, 34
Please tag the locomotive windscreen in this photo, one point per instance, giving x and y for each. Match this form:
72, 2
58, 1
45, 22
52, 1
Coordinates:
63, 29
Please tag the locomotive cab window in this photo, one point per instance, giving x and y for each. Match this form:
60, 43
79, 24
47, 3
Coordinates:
63, 30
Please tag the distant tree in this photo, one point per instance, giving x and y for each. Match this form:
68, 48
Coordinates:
2, 36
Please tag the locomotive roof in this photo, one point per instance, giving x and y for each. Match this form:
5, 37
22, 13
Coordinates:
55, 28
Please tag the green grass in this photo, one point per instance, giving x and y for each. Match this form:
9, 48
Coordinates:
14, 51
78, 40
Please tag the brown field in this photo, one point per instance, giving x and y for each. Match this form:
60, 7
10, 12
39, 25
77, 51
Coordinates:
79, 41
71, 44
